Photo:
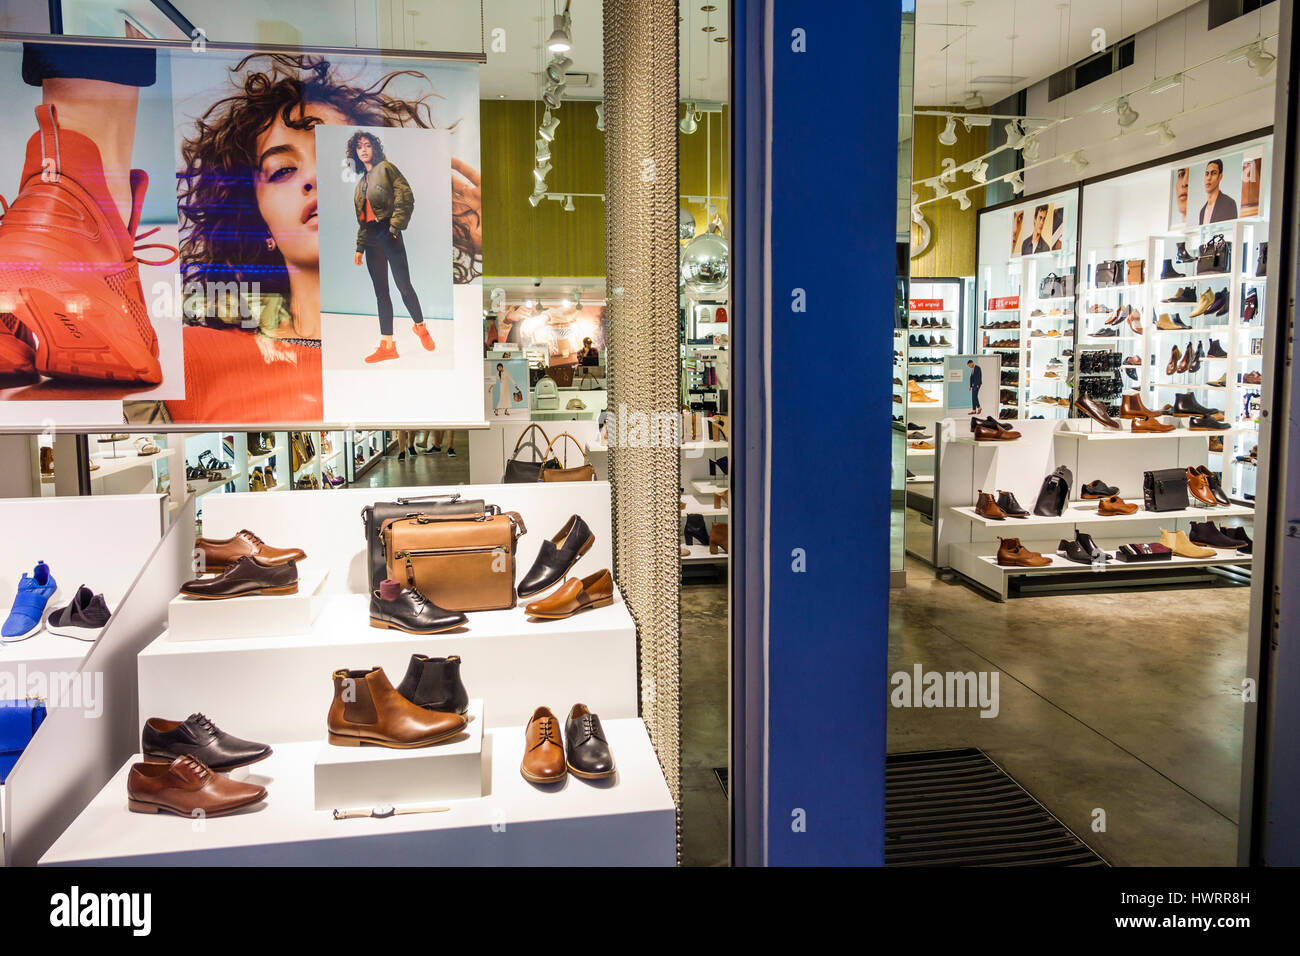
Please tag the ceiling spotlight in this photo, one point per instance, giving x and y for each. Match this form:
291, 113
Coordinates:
1166, 83
533, 200
940, 190
529, 303
542, 171
560, 40
962, 201
556, 68
566, 302
690, 121
979, 172
1076, 161
551, 95
970, 122
974, 102
568, 204
547, 130
600, 117
1015, 134
949, 135
1163, 130
1017, 184
1125, 115
543, 151
1029, 148
916, 213
1260, 60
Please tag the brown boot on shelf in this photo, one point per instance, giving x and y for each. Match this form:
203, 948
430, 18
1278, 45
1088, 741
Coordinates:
1012, 554
47, 460
367, 709
1131, 406
986, 506
718, 537
1174, 357
720, 499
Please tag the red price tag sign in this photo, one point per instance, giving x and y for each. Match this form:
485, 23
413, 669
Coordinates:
1005, 302
925, 305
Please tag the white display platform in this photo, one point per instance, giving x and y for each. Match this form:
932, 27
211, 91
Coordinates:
628, 820
257, 615
278, 688
363, 777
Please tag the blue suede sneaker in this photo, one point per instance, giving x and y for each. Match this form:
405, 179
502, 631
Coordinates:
34, 593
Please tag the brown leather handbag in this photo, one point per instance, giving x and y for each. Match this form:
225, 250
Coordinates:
583, 472
1136, 271
461, 562
563, 375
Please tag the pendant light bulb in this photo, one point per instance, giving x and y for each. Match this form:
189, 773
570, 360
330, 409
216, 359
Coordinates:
690, 121
949, 135
560, 40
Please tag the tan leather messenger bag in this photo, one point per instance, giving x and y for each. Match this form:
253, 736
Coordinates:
462, 562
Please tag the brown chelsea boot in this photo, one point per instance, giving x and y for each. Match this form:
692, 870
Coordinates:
368, 710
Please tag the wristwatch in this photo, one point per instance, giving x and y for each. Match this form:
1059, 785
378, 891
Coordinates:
384, 810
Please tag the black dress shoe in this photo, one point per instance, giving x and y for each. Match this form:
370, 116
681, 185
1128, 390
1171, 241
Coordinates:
434, 683
406, 609
1132, 374
1085, 541
198, 737
586, 752
1010, 507
1169, 272
1073, 551
557, 556
1205, 423
1244, 544
1186, 406
1195, 364
245, 577
1098, 489
989, 421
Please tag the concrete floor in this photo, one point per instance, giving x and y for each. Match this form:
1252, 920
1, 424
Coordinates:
1128, 703
422, 469
705, 814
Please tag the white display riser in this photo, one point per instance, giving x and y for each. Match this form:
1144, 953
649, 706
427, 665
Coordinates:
1085, 512
629, 820
279, 688
978, 561
256, 615
362, 777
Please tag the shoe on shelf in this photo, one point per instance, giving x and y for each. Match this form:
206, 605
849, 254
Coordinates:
1207, 535
1220, 305
1012, 554
1186, 406
1185, 294
581, 594
987, 507
586, 752
1216, 350
1250, 306
399, 608
28, 610
367, 709
1168, 271
1091, 408
434, 683
1115, 505
1252, 378
1131, 406
187, 788
1149, 424
162, 741
84, 619
1168, 323
981, 430
1178, 543
1009, 506
1245, 545
1207, 423
245, 576
1073, 551
1098, 489
556, 556
1198, 486
544, 757
1182, 255
1184, 363
219, 553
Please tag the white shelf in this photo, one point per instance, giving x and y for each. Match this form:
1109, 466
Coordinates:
696, 507
920, 452
203, 487
1085, 512
1109, 435
258, 459
709, 486
700, 555
114, 466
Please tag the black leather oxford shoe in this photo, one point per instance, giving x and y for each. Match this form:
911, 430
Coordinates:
197, 737
557, 556
406, 609
434, 683
1098, 489
586, 751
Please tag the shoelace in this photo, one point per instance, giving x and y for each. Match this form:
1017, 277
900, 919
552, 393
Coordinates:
543, 732
206, 724
136, 247
248, 535
194, 766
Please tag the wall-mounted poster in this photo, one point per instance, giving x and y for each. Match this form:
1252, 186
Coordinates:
224, 287
1218, 189
1038, 227
971, 380
564, 331
506, 388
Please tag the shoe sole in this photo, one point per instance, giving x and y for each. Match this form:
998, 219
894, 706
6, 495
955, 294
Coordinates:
145, 806
163, 758
603, 602
531, 778
345, 740
71, 347
589, 776
384, 625
292, 589
16, 356
76, 633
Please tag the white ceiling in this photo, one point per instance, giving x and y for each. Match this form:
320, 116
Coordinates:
996, 47
513, 74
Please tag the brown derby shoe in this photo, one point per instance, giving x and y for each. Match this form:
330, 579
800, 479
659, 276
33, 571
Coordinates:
576, 594
1198, 486
1115, 505
219, 554
368, 710
187, 788
543, 749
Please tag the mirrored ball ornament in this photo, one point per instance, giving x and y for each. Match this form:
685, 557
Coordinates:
685, 224
705, 263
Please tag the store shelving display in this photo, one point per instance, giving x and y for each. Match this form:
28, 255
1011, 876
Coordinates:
936, 312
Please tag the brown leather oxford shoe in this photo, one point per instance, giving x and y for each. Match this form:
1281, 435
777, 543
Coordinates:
219, 554
543, 749
187, 788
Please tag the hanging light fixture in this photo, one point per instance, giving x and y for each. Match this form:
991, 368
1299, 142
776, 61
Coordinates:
534, 199
600, 116
970, 122
555, 70
974, 101
541, 171
949, 135
1015, 134
543, 151
940, 190
1076, 161
1125, 115
551, 95
1166, 83
1260, 60
690, 121
547, 130
979, 171
1029, 148
962, 201
560, 40
1163, 130
568, 203
1017, 183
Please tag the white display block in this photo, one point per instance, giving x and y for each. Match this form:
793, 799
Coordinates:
256, 615
629, 820
278, 687
362, 777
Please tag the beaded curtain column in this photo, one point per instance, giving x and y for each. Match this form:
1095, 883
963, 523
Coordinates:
641, 261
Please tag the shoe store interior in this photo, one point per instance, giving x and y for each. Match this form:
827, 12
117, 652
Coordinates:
471, 407
1080, 350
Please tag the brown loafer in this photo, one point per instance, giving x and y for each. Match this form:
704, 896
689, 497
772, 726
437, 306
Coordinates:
219, 554
368, 710
1115, 505
543, 749
187, 788
248, 575
595, 590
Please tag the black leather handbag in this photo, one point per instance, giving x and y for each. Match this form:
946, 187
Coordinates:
1165, 489
1052, 286
1215, 256
1261, 260
522, 472
1109, 272
1054, 494
374, 516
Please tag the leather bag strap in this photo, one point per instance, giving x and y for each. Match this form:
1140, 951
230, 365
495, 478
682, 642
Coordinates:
546, 438
547, 454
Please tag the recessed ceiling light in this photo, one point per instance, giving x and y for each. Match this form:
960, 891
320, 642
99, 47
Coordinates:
719, 39
1013, 36
708, 8
709, 29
